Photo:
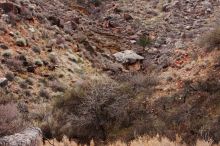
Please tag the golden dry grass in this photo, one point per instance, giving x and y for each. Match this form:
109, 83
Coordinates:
144, 141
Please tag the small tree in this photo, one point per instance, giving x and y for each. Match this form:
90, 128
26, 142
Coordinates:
91, 112
101, 110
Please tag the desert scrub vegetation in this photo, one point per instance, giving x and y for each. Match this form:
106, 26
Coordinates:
102, 110
211, 40
121, 109
11, 120
191, 112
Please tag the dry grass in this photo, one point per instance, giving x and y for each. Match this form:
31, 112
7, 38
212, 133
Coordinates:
144, 141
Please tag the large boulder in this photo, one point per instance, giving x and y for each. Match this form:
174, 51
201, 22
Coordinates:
127, 56
29, 137
3, 82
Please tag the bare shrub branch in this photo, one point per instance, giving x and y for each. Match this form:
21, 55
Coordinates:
10, 120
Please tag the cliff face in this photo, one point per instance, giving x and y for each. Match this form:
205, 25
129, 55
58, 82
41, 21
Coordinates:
29, 137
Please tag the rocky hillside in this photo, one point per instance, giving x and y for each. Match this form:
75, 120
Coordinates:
48, 47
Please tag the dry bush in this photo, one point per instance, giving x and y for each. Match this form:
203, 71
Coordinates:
57, 86
102, 110
10, 120
109, 111
211, 40
91, 112
138, 82
192, 113
6, 97
13, 64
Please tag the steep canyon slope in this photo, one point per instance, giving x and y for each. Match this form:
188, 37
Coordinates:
48, 47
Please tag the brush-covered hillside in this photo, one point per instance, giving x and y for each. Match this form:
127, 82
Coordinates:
111, 71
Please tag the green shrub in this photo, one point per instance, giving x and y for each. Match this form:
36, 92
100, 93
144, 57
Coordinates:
144, 41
